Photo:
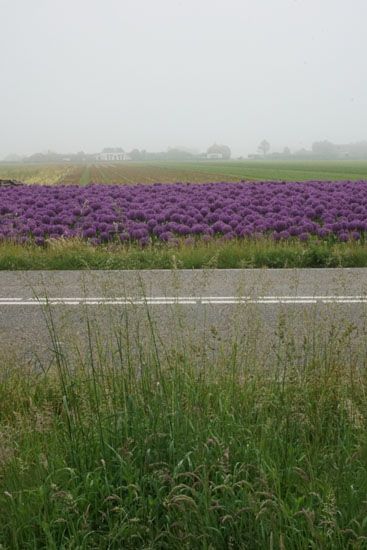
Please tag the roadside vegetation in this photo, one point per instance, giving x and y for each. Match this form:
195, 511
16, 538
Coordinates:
137, 444
221, 254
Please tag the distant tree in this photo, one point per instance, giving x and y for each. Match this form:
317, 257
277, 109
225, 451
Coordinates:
13, 157
264, 147
177, 154
302, 153
286, 151
324, 148
226, 152
135, 154
357, 150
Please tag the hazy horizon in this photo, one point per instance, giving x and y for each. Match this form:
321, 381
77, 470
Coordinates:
153, 75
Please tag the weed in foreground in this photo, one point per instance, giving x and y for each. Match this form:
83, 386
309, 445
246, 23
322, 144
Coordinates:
139, 446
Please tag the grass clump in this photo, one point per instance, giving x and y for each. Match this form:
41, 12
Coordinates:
151, 447
252, 253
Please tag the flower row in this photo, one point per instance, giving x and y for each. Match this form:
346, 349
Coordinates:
142, 213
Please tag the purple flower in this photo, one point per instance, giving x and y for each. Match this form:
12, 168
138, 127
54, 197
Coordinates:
161, 212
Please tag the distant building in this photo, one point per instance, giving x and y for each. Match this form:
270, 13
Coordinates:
218, 152
112, 153
214, 155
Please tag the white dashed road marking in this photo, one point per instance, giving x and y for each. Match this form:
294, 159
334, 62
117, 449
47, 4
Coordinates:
182, 300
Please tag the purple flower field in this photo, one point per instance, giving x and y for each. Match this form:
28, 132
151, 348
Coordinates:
161, 212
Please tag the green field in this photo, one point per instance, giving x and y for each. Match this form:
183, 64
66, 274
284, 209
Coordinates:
200, 171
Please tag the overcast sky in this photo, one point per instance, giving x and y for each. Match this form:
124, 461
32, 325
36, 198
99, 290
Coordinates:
88, 74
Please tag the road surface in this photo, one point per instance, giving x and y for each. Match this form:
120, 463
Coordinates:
256, 306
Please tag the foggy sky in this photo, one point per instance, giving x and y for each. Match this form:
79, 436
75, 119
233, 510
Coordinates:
88, 74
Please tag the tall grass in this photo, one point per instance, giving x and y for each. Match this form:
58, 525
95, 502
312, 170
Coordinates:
76, 254
133, 443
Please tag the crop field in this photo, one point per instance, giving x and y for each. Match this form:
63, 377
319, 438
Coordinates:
306, 214
171, 172
184, 220
145, 214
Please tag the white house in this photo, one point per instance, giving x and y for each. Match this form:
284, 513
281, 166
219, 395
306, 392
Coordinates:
218, 152
214, 155
112, 153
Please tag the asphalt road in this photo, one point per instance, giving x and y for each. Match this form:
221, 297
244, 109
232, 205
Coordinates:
214, 307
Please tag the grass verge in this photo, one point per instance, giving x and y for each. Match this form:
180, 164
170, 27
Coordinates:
75, 254
153, 448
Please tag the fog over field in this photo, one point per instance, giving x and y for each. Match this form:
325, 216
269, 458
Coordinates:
135, 73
